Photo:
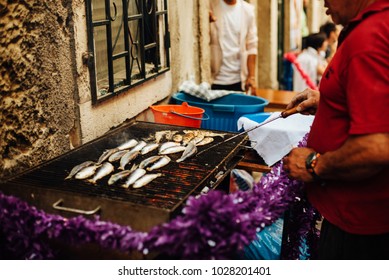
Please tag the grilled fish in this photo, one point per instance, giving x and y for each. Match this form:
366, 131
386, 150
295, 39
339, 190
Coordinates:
86, 172
78, 167
139, 146
164, 160
118, 176
128, 145
177, 138
150, 160
117, 155
188, 137
205, 141
172, 150
134, 176
148, 148
168, 145
127, 158
206, 133
167, 134
190, 150
106, 154
145, 179
103, 171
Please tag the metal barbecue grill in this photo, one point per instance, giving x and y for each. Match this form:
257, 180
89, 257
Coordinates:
45, 186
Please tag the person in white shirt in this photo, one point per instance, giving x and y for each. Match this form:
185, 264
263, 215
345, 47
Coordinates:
312, 61
234, 44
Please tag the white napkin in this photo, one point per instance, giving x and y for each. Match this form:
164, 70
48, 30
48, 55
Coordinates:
275, 140
203, 90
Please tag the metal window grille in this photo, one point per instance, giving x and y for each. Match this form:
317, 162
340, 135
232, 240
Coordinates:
128, 44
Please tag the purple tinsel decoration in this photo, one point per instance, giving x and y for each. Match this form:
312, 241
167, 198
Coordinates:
212, 226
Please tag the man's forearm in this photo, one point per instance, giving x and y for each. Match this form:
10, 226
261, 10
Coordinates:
360, 157
251, 61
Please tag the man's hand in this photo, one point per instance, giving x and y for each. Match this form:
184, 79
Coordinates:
212, 17
250, 86
307, 101
294, 164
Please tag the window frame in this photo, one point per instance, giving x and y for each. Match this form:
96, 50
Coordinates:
143, 76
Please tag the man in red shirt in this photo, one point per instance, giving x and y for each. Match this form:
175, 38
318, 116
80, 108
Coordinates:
346, 162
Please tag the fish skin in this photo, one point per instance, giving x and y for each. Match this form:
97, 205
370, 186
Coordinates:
206, 133
188, 137
86, 172
150, 160
177, 138
190, 150
205, 141
127, 158
148, 148
164, 160
141, 144
168, 145
145, 179
133, 177
167, 134
172, 150
106, 154
105, 169
118, 176
198, 138
78, 167
117, 155
128, 145
214, 134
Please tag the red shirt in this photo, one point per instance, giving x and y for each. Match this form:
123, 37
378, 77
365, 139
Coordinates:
354, 100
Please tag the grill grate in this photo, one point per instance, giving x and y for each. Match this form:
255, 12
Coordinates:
179, 180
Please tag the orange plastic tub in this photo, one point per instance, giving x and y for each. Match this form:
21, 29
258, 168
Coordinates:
182, 115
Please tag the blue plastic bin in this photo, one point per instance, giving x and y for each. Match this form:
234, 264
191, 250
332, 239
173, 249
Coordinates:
225, 111
258, 117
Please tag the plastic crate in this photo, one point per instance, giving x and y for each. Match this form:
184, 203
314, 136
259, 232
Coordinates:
225, 111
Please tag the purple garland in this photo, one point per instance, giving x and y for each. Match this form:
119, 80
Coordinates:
213, 226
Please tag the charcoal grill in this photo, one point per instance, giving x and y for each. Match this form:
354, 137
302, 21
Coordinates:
44, 186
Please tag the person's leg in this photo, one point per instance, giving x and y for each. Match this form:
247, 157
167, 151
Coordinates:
336, 244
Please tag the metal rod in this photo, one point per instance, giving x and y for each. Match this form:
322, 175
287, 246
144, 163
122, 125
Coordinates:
283, 114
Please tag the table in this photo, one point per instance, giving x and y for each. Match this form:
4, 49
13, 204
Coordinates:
278, 99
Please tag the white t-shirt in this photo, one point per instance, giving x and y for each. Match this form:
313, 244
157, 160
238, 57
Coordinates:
309, 61
229, 72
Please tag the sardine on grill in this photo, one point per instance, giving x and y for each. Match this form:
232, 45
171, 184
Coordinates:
78, 167
190, 150
133, 177
168, 145
128, 145
164, 160
127, 158
205, 141
106, 154
105, 169
118, 176
148, 161
145, 179
117, 155
86, 172
148, 148
172, 150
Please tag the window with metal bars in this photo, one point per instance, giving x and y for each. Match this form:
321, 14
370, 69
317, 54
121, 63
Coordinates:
128, 44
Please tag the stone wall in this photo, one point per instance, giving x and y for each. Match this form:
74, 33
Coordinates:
45, 97
37, 88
